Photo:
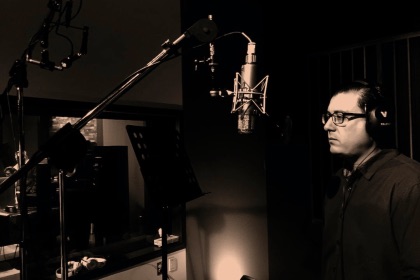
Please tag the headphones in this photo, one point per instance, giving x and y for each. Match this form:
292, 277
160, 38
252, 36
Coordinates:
379, 115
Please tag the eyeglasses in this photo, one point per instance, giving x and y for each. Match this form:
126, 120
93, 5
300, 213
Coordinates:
339, 117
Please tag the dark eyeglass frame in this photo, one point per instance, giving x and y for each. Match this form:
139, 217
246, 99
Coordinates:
339, 117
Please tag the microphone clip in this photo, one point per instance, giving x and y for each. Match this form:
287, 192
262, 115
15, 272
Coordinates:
244, 95
67, 62
45, 62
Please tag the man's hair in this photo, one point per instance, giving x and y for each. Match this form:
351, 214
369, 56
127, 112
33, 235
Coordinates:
370, 94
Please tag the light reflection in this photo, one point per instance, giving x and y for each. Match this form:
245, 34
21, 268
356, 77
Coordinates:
229, 266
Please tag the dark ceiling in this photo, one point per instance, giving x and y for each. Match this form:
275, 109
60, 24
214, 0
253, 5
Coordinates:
298, 28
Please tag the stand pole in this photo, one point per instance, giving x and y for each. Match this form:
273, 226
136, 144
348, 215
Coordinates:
18, 78
22, 185
165, 243
63, 237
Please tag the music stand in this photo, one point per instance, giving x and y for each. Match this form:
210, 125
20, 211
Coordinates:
167, 172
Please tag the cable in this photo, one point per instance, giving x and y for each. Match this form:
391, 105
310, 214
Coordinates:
225, 35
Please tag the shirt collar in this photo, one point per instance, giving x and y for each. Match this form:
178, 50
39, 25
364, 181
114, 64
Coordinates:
374, 163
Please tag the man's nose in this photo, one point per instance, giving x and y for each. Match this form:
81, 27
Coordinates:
329, 125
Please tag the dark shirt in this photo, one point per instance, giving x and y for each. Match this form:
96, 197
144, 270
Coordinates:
378, 227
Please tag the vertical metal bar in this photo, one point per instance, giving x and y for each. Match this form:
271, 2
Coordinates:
22, 185
410, 117
63, 237
394, 57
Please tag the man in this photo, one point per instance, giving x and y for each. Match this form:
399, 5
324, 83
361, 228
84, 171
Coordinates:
372, 205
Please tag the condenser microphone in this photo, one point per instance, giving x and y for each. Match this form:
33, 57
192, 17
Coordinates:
214, 89
248, 111
249, 98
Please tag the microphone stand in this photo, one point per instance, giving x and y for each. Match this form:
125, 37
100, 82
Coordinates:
18, 78
57, 147
22, 185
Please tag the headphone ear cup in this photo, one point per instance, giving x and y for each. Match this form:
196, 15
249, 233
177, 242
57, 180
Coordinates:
379, 120
382, 116
371, 122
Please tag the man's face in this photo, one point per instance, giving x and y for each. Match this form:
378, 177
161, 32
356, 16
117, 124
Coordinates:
351, 137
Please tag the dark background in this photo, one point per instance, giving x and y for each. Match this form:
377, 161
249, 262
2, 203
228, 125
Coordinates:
286, 35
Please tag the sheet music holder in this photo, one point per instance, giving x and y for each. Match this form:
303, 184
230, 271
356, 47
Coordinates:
164, 164
167, 173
